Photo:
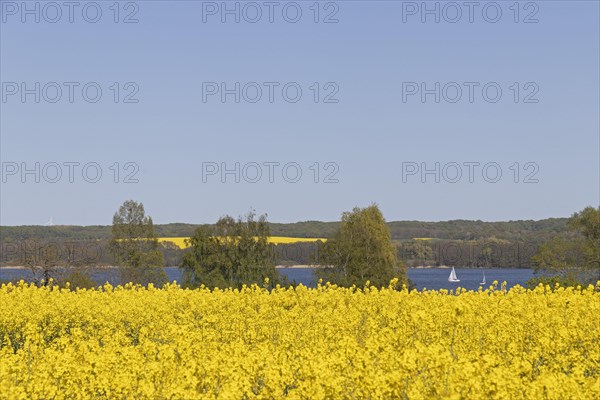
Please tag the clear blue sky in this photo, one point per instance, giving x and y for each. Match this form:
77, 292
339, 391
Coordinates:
373, 56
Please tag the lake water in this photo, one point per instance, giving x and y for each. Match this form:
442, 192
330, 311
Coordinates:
437, 278
429, 278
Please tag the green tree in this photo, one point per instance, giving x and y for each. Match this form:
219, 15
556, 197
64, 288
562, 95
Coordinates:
587, 222
575, 254
361, 250
135, 246
172, 254
490, 252
77, 278
417, 252
230, 253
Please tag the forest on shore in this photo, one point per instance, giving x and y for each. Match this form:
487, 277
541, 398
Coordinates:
460, 243
400, 230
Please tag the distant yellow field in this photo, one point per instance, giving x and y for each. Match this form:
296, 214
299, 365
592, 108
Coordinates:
180, 241
421, 238
283, 239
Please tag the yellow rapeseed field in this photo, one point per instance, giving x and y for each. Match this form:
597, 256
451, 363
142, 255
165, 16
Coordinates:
298, 343
180, 241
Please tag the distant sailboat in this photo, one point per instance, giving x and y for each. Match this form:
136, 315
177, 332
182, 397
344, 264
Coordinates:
483, 281
453, 277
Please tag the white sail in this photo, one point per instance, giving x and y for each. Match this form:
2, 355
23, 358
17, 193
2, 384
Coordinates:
483, 281
453, 277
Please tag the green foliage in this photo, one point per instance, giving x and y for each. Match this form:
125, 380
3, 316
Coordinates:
587, 222
575, 254
552, 281
231, 253
299, 253
135, 247
560, 254
416, 253
361, 250
172, 254
77, 278
485, 253
400, 230
457, 243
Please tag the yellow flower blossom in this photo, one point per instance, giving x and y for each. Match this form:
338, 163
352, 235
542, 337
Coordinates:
299, 343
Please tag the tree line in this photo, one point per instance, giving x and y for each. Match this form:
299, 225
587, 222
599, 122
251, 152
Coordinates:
236, 252
484, 253
463, 230
233, 252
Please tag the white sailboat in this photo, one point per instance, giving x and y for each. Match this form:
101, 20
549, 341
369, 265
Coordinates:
483, 281
453, 277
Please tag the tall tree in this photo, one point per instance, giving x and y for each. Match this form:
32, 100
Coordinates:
575, 254
230, 253
587, 222
135, 245
361, 250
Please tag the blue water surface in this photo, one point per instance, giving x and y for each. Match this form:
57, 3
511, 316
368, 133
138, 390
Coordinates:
422, 278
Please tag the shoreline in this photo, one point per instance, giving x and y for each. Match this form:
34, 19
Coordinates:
296, 266
21, 267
